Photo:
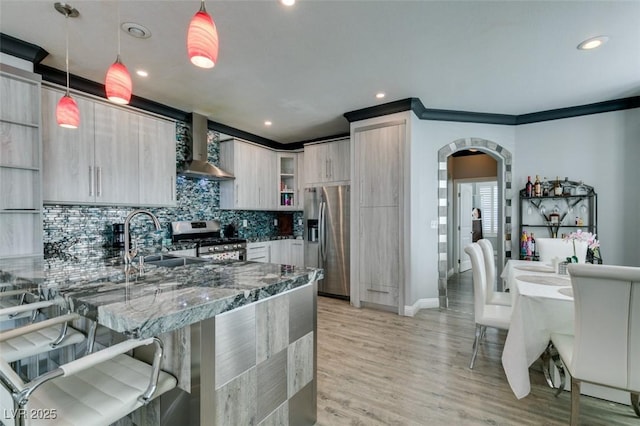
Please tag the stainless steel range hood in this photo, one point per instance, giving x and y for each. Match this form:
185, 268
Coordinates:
197, 166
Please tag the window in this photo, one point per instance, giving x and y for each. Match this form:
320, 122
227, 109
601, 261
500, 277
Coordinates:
488, 192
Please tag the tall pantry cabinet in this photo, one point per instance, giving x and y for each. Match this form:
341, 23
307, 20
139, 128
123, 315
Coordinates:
377, 270
20, 163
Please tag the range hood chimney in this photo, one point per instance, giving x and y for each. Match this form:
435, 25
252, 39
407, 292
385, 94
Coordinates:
197, 166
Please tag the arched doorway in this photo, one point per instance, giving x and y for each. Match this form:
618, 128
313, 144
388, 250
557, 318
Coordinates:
503, 158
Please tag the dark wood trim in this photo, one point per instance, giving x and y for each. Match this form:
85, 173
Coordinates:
577, 111
415, 105
467, 117
237, 133
21, 49
380, 110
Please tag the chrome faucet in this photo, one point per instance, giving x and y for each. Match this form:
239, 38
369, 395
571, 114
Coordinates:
128, 253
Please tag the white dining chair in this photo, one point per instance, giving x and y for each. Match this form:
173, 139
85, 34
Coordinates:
494, 297
486, 315
550, 248
97, 389
605, 346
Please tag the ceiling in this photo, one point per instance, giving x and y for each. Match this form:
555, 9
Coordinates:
303, 67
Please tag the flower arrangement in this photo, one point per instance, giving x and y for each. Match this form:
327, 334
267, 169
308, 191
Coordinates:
593, 244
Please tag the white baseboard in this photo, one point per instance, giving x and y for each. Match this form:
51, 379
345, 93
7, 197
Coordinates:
410, 311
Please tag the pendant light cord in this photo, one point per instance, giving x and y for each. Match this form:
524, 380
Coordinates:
66, 28
118, 28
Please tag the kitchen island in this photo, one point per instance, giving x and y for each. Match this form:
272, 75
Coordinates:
239, 336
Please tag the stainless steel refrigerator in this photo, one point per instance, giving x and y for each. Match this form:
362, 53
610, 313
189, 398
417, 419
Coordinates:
326, 211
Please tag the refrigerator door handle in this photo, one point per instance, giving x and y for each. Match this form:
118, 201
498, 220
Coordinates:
323, 231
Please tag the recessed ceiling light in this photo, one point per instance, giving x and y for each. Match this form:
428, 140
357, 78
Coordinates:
142, 73
135, 30
268, 123
288, 2
593, 42
380, 95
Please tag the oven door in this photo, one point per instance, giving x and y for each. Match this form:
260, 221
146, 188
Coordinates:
238, 254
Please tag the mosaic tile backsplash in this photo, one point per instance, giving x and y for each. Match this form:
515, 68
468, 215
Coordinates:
83, 227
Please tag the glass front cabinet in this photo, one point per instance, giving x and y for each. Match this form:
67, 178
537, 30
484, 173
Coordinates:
554, 216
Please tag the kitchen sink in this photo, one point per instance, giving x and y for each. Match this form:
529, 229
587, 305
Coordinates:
171, 261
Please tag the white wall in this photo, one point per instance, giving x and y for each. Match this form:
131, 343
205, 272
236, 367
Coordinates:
603, 151
428, 137
16, 62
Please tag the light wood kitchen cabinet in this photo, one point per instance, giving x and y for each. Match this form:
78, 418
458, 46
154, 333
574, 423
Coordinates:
327, 162
254, 168
259, 251
378, 213
296, 253
20, 163
157, 161
115, 156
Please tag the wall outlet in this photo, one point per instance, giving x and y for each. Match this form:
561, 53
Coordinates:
299, 222
434, 224
244, 223
275, 222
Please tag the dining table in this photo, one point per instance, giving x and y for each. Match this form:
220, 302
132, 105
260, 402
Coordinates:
542, 304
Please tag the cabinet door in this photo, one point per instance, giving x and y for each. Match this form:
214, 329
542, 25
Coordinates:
157, 161
380, 172
301, 181
266, 167
316, 164
278, 252
338, 160
116, 155
68, 167
296, 253
246, 173
379, 260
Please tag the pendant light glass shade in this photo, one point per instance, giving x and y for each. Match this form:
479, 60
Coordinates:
67, 113
202, 40
118, 83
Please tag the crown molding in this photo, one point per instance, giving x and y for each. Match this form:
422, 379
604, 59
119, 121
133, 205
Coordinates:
21, 49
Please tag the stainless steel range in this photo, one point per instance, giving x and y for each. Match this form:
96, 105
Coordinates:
209, 241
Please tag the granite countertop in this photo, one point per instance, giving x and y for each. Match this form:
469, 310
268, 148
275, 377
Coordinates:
153, 300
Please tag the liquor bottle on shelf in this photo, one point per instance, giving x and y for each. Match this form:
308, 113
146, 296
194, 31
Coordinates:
528, 249
546, 187
529, 187
537, 187
557, 189
523, 244
532, 245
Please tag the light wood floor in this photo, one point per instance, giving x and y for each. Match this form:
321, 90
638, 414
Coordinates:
378, 368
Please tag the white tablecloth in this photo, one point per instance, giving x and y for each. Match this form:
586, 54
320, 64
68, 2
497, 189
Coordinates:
538, 311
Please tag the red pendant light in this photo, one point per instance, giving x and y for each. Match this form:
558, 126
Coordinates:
118, 83
67, 112
202, 39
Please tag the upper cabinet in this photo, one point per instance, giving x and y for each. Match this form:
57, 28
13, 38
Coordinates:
254, 168
115, 156
287, 181
20, 163
327, 162
157, 161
